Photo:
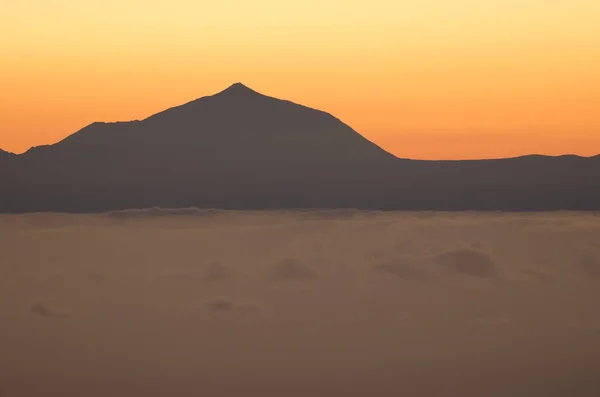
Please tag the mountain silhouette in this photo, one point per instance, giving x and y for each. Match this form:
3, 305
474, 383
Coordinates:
239, 149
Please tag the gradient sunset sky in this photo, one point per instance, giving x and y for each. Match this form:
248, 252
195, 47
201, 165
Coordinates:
430, 79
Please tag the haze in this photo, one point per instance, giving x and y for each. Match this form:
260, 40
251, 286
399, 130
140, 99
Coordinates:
321, 303
480, 78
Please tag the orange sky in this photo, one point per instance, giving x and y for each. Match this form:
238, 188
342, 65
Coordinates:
425, 79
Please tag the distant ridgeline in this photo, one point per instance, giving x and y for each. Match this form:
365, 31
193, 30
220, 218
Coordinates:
240, 149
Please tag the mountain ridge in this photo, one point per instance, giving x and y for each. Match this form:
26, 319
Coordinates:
240, 149
237, 88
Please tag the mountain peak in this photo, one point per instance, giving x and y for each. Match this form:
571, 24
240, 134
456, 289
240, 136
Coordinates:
238, 89
238, 85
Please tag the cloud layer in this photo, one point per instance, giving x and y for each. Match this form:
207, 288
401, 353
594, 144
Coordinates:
299, 303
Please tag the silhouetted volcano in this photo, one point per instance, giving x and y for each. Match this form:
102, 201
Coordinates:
239, 121
241, 149
237, 148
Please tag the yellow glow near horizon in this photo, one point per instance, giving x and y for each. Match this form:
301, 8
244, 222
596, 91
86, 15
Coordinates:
426, 79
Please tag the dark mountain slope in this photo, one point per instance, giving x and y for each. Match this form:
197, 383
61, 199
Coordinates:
235, 149
4, 154
241, 149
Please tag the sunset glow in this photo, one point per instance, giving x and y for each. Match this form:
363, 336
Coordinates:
429, 79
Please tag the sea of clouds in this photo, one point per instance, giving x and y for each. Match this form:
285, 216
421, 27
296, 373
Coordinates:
299, 303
